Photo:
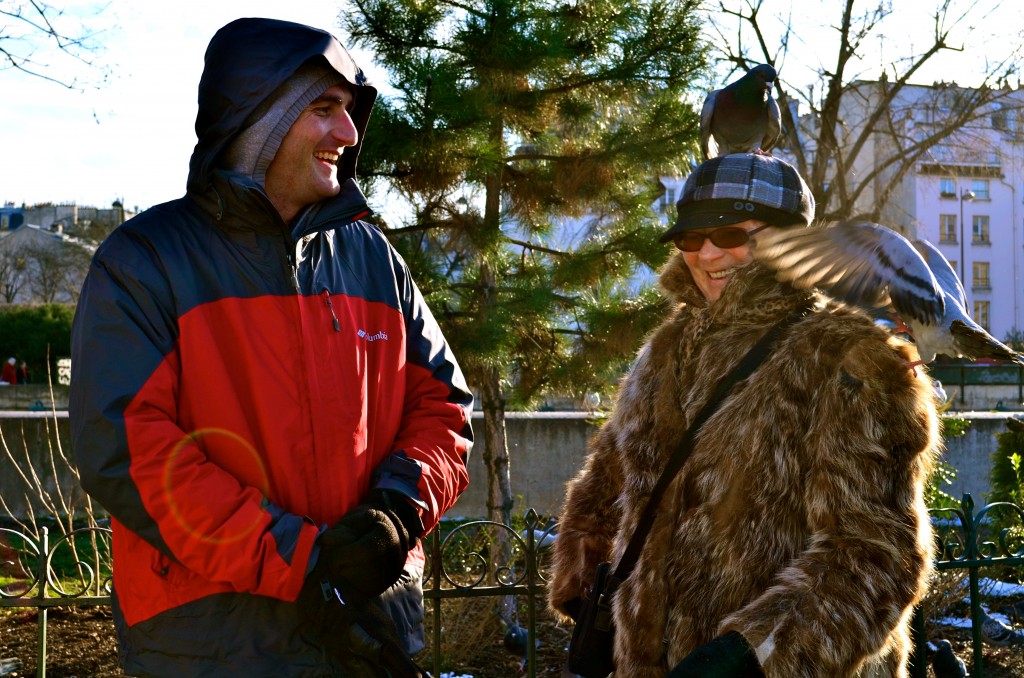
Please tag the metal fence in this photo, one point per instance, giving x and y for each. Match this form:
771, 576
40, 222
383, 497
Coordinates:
960, 376
45, 573
488, 559
988, 539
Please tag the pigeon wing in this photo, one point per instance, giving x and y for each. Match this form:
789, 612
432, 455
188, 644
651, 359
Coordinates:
947, 278
856, 261
708, 145
968, 338
773, 125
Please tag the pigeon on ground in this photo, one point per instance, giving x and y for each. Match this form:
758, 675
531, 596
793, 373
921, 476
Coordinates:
998, 633
945, 663
742, 117
868, 264
517, 641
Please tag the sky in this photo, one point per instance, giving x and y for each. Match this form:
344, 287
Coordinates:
130, 138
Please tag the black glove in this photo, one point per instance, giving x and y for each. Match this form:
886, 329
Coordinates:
727, 656
573, 608
365, 551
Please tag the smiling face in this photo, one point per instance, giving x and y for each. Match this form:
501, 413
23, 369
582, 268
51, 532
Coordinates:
305, 168
712, 267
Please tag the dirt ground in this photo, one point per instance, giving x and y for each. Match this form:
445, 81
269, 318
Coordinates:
80, 644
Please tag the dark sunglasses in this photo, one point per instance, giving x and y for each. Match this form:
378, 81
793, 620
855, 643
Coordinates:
723, 238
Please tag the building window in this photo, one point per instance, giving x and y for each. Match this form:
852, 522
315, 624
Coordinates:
980, 189
979, 275
668, 200
980, 229
999, 120
947, 228
947, 188
981, 313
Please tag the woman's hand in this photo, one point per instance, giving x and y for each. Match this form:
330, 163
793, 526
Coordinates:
727, 656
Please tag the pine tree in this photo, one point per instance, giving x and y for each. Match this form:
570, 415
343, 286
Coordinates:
514, 119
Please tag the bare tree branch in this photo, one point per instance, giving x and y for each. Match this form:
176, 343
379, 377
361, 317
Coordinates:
33, 28
846, 115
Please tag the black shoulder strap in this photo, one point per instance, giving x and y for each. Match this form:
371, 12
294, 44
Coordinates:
744, 369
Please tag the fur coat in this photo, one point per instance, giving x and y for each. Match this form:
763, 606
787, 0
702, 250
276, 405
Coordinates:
799, 518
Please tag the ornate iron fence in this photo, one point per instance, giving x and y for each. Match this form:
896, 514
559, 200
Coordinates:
488, 559
991, 538
67, 571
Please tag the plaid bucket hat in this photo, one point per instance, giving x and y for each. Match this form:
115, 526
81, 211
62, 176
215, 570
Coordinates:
733, 188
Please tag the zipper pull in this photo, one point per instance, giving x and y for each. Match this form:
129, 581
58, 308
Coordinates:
330, 306
294, 272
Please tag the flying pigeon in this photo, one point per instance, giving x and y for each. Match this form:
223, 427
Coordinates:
742, 117
868, 264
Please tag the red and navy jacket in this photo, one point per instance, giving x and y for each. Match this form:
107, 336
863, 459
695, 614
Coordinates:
238, 384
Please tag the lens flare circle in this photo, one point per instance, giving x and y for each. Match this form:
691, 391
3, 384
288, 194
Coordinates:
261, 482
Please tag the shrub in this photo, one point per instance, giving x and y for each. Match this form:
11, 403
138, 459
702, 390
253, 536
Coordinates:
944, 475
39, 334
1007, 475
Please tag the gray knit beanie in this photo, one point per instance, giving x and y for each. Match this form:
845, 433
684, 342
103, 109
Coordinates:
251, 152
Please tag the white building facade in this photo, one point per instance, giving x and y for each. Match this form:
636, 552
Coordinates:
965, 193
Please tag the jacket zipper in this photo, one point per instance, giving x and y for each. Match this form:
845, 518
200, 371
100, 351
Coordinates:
293, 259
326, 294
293, 268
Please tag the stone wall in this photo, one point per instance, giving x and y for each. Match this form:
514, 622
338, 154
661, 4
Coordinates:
33, 397
546, 450
44, 439
971, 454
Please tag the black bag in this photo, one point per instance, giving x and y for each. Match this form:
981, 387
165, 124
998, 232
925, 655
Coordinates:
590, 650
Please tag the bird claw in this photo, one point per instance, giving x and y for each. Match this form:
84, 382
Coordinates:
912, 366
900, 327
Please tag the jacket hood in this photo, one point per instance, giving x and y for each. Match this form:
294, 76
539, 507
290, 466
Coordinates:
246, 61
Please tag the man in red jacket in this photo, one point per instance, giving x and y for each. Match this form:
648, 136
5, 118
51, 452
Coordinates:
9, 373
261, 398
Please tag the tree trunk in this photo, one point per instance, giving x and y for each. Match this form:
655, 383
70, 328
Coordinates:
499, 483
499, 486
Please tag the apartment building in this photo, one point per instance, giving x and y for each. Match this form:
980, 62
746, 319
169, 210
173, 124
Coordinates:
947, 165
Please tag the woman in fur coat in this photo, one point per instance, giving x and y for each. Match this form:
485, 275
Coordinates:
795, 540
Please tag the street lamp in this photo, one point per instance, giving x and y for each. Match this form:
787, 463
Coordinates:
964, 195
